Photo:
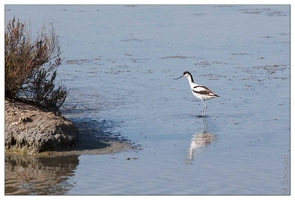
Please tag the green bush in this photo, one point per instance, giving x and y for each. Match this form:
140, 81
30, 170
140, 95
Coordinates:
30, 65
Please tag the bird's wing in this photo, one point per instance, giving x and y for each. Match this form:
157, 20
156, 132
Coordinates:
203, 90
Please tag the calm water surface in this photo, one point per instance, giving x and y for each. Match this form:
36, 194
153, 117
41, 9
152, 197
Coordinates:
120, 61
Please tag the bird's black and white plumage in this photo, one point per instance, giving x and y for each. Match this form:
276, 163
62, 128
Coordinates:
199, 91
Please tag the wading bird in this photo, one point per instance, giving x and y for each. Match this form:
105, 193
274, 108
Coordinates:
199, 91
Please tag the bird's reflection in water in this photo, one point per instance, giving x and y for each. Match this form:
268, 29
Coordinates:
199, 141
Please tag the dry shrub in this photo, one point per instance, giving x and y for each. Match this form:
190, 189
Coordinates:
30, 65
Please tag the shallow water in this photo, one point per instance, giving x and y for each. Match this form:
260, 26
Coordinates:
120, 61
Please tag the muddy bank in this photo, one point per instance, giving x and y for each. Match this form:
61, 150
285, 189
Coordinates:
30, 129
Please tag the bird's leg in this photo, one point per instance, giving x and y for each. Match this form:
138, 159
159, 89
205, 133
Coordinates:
203, 111
205, 125
204, 108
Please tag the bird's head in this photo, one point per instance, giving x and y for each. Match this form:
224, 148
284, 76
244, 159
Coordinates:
185, 74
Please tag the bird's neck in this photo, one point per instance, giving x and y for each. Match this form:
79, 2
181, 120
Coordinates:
191, 81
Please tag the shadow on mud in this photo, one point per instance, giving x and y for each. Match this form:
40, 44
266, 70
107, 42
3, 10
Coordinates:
98, 137
94, 134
